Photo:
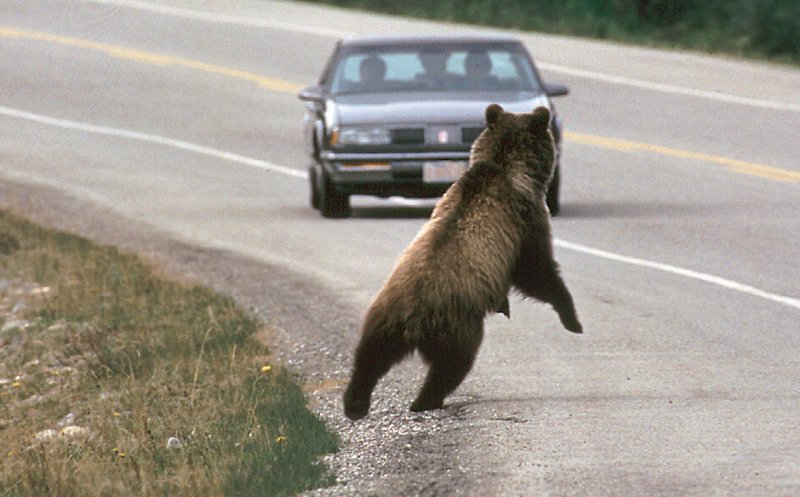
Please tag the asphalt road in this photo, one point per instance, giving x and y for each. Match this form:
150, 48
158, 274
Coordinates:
678, 238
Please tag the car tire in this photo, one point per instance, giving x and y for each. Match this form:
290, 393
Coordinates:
332, 204
553, 192
313, 196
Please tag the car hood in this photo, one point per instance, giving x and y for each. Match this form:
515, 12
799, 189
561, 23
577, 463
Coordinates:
423, 108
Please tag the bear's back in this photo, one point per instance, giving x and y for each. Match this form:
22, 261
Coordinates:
461, 255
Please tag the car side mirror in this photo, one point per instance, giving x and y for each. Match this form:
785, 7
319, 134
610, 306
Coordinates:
556, 89
311, 94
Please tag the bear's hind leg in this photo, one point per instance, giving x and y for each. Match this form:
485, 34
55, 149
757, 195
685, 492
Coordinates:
376, 353
450, 359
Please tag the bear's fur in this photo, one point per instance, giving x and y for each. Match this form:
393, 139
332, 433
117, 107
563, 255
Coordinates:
490, 230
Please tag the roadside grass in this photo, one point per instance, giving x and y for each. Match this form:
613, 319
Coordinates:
765, 29
115, 380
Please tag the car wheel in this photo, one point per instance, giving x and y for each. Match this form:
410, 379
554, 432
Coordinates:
312, 183
331, 203
553, 200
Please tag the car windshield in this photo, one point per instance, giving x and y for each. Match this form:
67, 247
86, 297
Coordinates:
434, 67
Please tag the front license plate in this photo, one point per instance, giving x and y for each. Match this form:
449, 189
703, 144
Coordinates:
442, 171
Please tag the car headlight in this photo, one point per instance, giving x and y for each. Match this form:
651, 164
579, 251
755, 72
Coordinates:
360, 136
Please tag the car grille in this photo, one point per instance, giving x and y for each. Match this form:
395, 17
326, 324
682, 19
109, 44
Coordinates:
470, 134
408, 136
416, 136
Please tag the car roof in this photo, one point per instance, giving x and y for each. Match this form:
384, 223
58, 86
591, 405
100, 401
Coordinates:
426, 39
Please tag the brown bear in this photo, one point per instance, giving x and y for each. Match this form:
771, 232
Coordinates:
490, 230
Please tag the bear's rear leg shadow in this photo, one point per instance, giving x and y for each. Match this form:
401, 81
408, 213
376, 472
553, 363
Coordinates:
449, 365
376, 353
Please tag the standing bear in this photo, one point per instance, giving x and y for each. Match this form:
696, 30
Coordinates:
489, 232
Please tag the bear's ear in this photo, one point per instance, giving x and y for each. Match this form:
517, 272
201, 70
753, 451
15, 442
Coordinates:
493, 113
540, 119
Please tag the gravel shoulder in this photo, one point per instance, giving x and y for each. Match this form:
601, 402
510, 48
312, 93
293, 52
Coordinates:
312, 332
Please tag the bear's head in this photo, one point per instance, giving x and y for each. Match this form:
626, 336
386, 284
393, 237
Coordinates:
518, 141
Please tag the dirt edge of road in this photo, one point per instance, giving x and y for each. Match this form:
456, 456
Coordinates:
312, 332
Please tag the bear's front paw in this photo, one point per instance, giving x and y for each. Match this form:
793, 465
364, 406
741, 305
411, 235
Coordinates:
571, 323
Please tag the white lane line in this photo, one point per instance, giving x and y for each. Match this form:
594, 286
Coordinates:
268, 166
665, 88
336, 33
160, 140
688, 273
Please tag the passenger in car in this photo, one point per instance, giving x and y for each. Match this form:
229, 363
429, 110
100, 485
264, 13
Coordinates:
478, 67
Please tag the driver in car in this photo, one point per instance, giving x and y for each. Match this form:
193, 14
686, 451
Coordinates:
372, 72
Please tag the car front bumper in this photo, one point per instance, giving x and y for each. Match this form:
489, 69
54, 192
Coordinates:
409, 175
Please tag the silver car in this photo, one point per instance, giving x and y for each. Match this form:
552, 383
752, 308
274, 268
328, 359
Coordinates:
397, 115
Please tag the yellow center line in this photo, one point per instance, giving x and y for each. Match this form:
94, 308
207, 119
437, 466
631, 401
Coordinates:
153, 58
738, 166
282, 86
